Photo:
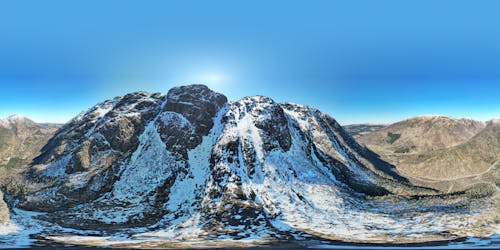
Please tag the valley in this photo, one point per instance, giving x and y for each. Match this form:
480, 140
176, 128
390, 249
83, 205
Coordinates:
440, 152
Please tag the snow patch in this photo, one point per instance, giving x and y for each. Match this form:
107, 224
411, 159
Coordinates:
9, 227
187, 186
151, 156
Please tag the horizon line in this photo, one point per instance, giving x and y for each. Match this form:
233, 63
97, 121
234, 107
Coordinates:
60, 122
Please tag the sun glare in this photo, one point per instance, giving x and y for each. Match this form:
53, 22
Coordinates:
214, 79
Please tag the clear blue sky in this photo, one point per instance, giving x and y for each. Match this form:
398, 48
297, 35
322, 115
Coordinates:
359, 61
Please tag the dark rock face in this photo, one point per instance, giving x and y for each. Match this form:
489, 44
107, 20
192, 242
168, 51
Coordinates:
96, 142
197, 103
272, 122
177, 133
326, 138
93, 151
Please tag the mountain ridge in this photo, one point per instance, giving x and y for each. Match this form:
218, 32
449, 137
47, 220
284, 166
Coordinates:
192, 165
452, 161
20, 141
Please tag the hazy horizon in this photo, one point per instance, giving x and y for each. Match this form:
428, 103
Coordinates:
342, 123
359, 61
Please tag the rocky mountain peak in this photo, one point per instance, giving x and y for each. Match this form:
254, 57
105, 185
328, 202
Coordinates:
430, 116
16, 120
4, 123
16, 117
192, 163
197, 103
195, 93
423, 133
494, 122
122, 140
442, 119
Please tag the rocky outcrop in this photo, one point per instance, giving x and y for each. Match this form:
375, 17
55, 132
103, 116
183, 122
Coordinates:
116, 144
4, 210
93, 146
197, 103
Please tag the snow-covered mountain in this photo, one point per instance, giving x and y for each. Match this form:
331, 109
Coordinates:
191, 165
21, 140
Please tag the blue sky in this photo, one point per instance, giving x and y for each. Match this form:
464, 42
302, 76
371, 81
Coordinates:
359, 61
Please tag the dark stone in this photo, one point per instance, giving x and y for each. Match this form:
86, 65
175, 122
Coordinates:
197, 103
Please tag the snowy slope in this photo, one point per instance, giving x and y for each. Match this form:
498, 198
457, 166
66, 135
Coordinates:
152, 168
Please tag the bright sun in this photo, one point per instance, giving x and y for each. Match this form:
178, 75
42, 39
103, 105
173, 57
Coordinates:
214, 78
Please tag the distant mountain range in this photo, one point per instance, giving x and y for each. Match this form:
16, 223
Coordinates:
439, 151
21, 139
156, 169
356, 130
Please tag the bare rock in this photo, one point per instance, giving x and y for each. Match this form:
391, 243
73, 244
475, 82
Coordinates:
4, 210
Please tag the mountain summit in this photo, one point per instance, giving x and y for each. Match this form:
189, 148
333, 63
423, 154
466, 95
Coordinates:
192, 165
423, 133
